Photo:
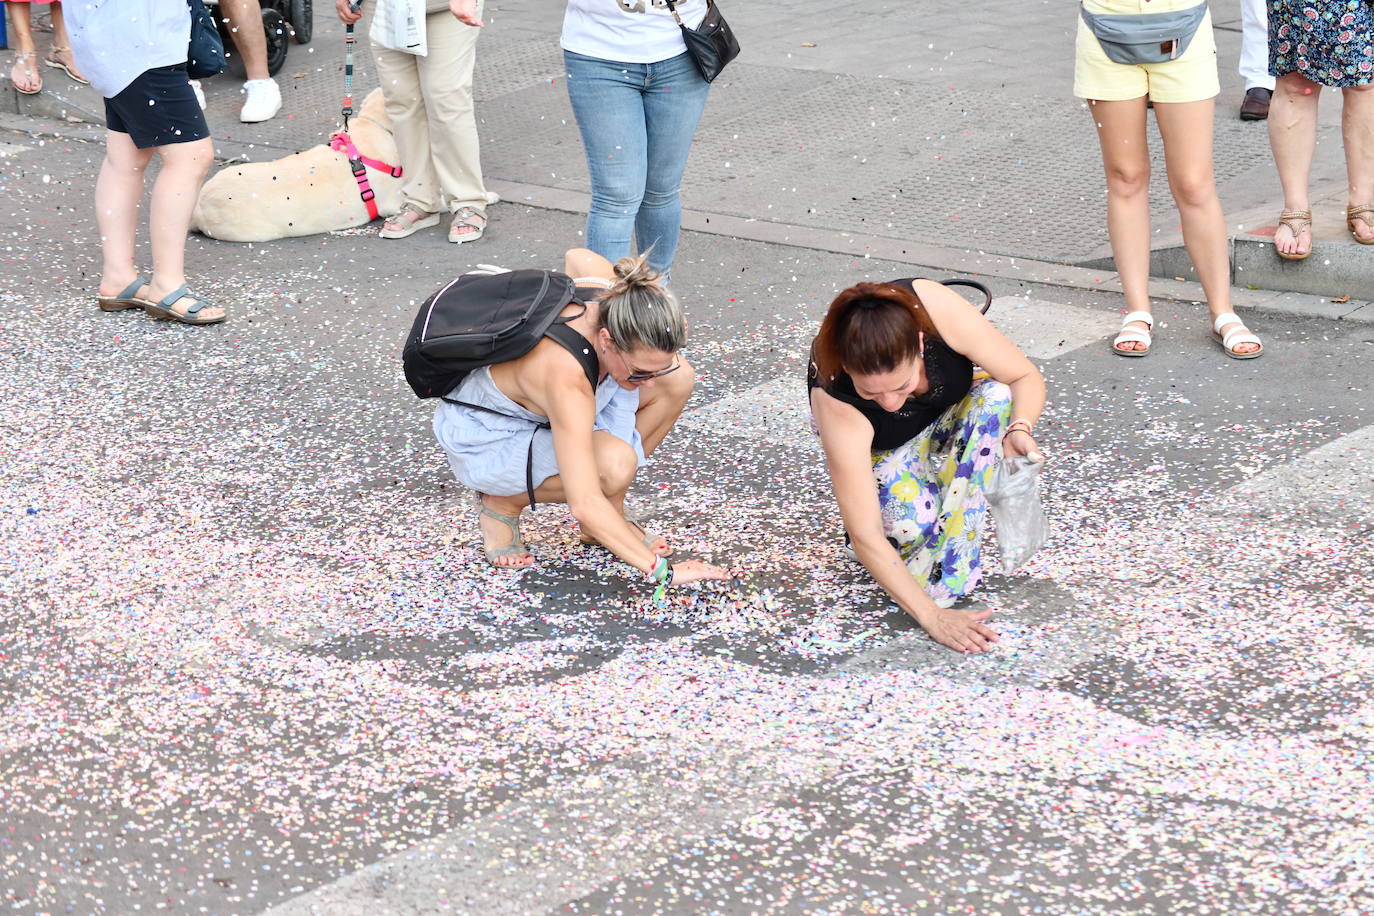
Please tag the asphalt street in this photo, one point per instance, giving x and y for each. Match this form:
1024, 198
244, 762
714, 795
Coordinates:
252, 661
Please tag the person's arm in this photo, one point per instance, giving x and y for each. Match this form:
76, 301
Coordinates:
571, 409
967, 331
848, 438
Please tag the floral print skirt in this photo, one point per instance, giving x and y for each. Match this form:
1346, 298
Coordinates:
931, 491
1330, 42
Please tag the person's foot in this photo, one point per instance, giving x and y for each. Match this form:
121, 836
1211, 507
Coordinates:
468, 225
1359, 218
1256, 104
24, 75
62, 59
1293, 237
148, 293
262, 100
501, 538
408, 221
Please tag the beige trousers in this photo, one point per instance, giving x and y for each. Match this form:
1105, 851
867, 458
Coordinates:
429, 101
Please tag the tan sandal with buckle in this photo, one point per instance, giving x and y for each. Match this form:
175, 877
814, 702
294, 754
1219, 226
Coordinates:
467, 218
408, 221
1365, 214
1298, 222
33, 79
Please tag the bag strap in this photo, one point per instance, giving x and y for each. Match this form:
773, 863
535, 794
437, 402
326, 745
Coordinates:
672, 8
585, 355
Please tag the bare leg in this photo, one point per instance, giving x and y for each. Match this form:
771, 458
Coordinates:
1293, 137
24, 74
118, 190
616, 464
1357, 129
245, 26
61, 44
174, 197
1126, 160
1187, 132
661, 401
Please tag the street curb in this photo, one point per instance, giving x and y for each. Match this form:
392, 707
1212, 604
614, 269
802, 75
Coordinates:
951, 260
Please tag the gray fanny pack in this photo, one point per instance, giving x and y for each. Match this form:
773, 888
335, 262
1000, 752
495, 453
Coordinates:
1145, 38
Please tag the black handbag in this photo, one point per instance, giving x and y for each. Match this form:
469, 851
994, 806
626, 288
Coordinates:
712, 43
205, 51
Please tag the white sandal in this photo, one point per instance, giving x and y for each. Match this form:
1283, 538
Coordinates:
1134, 335
1239, 334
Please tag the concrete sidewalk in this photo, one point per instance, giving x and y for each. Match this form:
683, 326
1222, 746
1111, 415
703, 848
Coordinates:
934, 124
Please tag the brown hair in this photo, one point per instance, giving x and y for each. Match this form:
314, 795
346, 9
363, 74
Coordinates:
871, 327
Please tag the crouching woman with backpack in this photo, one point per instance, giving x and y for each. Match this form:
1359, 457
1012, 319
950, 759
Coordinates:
573, 419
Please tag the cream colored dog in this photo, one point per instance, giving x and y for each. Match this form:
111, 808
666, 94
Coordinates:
306, 193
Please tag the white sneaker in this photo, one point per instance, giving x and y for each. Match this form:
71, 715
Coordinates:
200, 93
262, 100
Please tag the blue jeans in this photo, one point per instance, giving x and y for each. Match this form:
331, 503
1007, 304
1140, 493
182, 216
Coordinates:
637, 122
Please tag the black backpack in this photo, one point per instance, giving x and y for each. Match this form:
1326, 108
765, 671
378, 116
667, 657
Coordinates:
483, 319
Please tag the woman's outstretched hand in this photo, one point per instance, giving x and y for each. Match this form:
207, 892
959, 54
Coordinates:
960, 630
1020, 442
692, 570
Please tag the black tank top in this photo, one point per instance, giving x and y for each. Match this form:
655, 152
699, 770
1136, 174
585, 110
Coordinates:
949, 374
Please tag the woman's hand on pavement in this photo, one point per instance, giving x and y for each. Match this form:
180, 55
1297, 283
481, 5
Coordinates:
960, 630
1020, 442
692, 570
465, 11
348, 16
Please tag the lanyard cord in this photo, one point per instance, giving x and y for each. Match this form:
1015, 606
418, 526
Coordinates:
348, 75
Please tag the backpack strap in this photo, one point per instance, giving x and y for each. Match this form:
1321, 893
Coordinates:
578, 346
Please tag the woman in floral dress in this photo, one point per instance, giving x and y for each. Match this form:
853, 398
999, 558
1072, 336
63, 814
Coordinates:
912, 434
1316, 43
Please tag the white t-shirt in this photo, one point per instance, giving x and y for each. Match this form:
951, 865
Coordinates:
114, 41
632, 31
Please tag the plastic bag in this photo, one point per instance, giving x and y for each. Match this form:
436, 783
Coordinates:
1014, 497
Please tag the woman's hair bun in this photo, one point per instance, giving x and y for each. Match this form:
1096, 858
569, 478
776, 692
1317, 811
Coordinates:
635, 273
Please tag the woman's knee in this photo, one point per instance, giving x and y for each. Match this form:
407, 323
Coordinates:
194, 158
616, 463
1194, 189
995, 396
1128, 179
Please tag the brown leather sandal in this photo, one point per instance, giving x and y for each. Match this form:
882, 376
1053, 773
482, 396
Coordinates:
1365, 214
1298, 222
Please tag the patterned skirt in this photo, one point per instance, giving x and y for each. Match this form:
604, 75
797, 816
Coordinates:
1330, 42
931, 491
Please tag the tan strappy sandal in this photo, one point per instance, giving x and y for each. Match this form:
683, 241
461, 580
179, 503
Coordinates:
1298, 222
26, 59
1365, 214
52, 60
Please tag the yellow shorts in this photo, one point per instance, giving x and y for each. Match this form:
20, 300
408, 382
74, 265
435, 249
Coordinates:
1191, 77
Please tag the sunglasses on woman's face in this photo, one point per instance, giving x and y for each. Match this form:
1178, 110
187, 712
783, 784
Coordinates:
645, 376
